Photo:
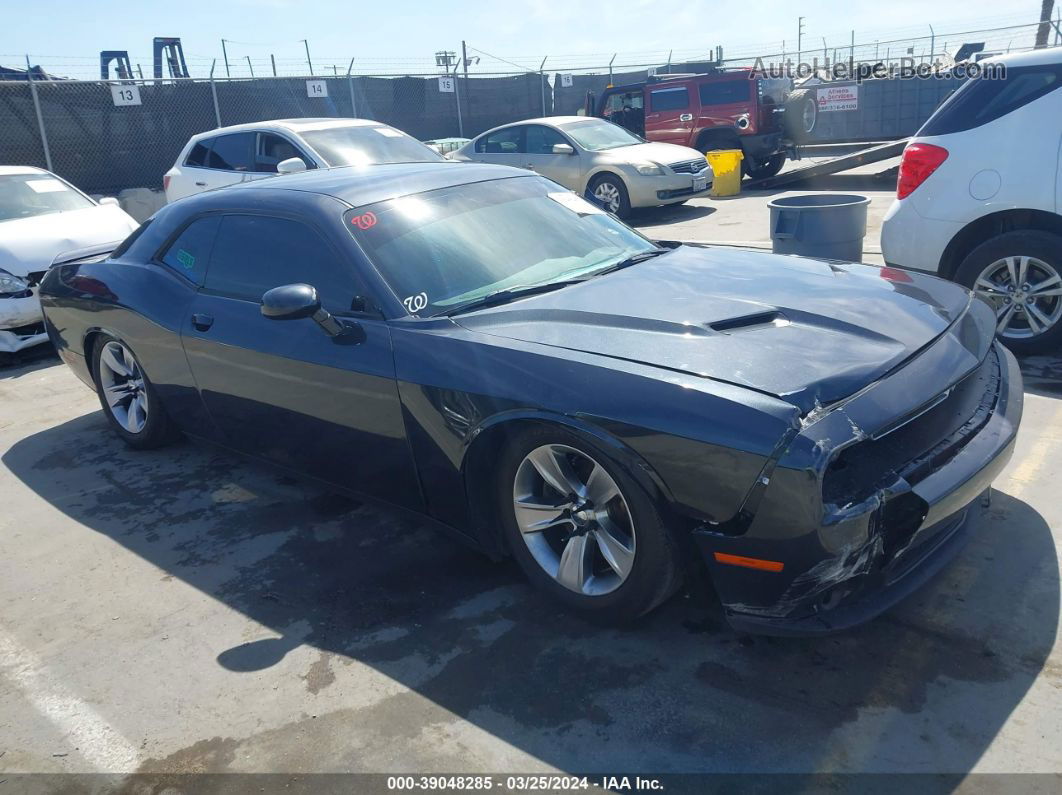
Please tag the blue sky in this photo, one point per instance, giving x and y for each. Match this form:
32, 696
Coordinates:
402, 36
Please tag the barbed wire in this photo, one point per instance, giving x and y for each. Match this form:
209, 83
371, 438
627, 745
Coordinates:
882, 43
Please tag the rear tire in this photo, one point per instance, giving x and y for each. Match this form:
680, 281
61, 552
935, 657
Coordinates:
1032, 307
763, 169
129, 400
627, 560
609, 192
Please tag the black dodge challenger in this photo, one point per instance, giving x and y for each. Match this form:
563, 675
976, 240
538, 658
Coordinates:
481, 346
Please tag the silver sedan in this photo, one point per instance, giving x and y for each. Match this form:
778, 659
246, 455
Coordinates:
596, 158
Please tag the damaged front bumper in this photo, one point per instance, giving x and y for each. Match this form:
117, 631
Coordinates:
21, 323
866, 554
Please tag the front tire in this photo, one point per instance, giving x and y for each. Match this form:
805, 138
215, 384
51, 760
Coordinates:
129, 400
582, 529
1020, 275
609, 192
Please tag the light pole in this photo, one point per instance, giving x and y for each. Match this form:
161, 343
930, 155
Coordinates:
225, 53
309, 63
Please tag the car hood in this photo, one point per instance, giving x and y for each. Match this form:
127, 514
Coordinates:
31, 244
655, 152
806, 331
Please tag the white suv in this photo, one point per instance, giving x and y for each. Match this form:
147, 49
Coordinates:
229, 155
979, 198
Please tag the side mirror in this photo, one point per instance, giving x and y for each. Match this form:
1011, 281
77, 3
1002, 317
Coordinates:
292, 165
290, 302
295, 301
563, 149
110, 201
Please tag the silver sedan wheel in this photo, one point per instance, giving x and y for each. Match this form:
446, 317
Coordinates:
123, 387
574, 519
609, 195
1026, 293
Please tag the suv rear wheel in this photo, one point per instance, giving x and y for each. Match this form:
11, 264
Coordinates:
1020, 275
763, 169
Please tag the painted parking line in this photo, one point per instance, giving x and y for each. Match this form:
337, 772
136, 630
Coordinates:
97, 741
1028, 471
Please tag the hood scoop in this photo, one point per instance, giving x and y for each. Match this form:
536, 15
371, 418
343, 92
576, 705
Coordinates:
744, 322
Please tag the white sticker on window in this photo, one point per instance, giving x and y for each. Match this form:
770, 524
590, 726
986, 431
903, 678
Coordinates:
388, 132
415, 303
46, 185
575, 203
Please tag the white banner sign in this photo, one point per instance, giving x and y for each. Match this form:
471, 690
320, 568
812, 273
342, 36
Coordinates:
566, 81
838, 98
316, 88
446, 85
125, 95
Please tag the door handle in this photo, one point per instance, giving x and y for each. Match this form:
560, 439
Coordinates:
686, 117
202, 322
200, 184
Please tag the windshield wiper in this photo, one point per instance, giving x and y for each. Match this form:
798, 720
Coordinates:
509, 294
634, 259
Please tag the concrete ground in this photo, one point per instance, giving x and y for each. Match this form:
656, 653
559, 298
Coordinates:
185, 610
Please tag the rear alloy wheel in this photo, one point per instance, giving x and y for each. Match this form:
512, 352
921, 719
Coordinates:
610, 193
1020, 275
584, 530
129, 400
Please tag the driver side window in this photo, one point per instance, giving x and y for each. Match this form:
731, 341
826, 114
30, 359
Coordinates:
255, 253
503, 142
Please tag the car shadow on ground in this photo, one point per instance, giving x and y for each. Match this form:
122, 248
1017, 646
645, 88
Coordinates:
924, 688
648, 217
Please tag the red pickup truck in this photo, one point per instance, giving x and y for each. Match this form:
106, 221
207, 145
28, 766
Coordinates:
722, 109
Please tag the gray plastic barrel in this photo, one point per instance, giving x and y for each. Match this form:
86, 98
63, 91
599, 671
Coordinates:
825, 225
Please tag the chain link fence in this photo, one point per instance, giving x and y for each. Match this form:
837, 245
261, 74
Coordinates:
105, 136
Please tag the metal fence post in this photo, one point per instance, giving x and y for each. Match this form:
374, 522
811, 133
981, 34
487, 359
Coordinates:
457, 97
40, 117
542, 80
214, 93
350, 83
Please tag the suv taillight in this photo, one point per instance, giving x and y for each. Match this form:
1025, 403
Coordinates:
919, 161
166, 182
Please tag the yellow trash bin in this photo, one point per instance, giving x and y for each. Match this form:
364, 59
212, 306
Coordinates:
726, 165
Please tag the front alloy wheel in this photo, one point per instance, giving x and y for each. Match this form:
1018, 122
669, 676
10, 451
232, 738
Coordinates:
574, 519
1025, 292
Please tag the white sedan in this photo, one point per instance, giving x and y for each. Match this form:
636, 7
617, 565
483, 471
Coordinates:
594, 157
42, 217
242, 152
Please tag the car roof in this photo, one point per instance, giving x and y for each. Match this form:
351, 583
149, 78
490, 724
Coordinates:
9, 170
359, 185
549, 121
1031, 58
290, 125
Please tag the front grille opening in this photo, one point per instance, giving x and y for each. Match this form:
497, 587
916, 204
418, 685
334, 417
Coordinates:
919, 447
900, 519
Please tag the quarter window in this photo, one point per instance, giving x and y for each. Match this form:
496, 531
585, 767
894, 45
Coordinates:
255, 253
200, 152
232, 152
728, 92
189, 253
669, 99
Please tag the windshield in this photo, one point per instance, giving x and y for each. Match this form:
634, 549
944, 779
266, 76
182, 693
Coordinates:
447, 247
595, 135
26, 195
364, 145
